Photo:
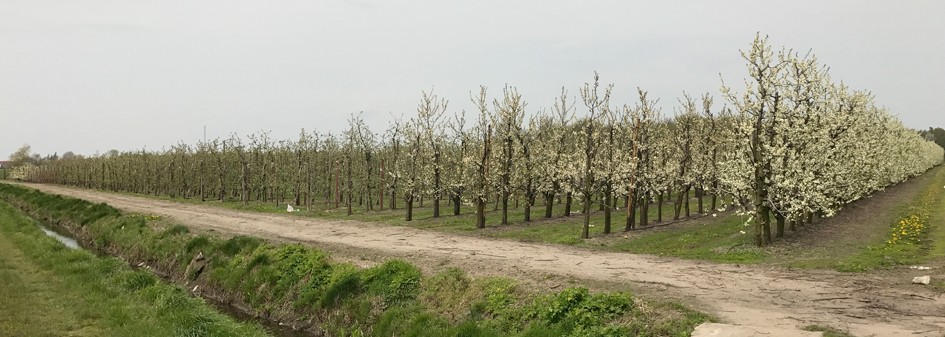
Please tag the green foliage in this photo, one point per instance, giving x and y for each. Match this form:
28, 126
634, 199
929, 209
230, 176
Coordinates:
448, 290
395, 281
176, 230
238, 244
499, 297
98, 211
292, 263
584, 314
196, 243
938, 135
259, 259
409, 321
344, 282
139, 280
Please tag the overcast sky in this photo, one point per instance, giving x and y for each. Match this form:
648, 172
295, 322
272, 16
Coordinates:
94, 75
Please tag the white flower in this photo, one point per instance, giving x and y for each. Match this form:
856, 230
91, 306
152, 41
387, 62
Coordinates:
743, 232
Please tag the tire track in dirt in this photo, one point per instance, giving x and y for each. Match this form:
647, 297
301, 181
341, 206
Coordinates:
867, 305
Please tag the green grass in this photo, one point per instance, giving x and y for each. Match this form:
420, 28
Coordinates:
393, 298
938, 285
720, 239
929, 245
465, 222
936, 238
566, 230
717, 239
50, 290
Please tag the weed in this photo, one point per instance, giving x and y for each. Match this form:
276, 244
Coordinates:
828, 331
175, 230
196, 243
139, 280
396, 281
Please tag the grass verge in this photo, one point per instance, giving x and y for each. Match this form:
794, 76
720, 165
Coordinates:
50, 290
295, 283
917, 235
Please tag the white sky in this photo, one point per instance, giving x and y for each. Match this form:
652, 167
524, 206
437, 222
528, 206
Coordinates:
94, 75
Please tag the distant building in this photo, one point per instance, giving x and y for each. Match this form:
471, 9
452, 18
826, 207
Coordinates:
5, 164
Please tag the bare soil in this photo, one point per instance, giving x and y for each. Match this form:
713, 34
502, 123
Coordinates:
875, 304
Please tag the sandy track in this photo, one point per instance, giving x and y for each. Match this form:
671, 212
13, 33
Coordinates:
867, 305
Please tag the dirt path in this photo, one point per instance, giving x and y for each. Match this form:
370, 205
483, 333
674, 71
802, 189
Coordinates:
867, 305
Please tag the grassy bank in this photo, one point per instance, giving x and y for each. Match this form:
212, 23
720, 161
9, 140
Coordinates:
49, 290
304, 287
916, 235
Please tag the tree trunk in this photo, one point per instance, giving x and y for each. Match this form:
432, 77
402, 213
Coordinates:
436, 189
699, 193
659, 208
631, 213
409, 216
567, 204
245, 184
457, 201
585, 233
767, 227
549, 200
337, 187
644, 211
505, 208
608, 200
688, 214
480, 213
677, 207
380, 188
715, 197
762, 224
528, 210
780, 226
350, 189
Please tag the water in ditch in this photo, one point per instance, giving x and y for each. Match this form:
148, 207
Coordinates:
68, 241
